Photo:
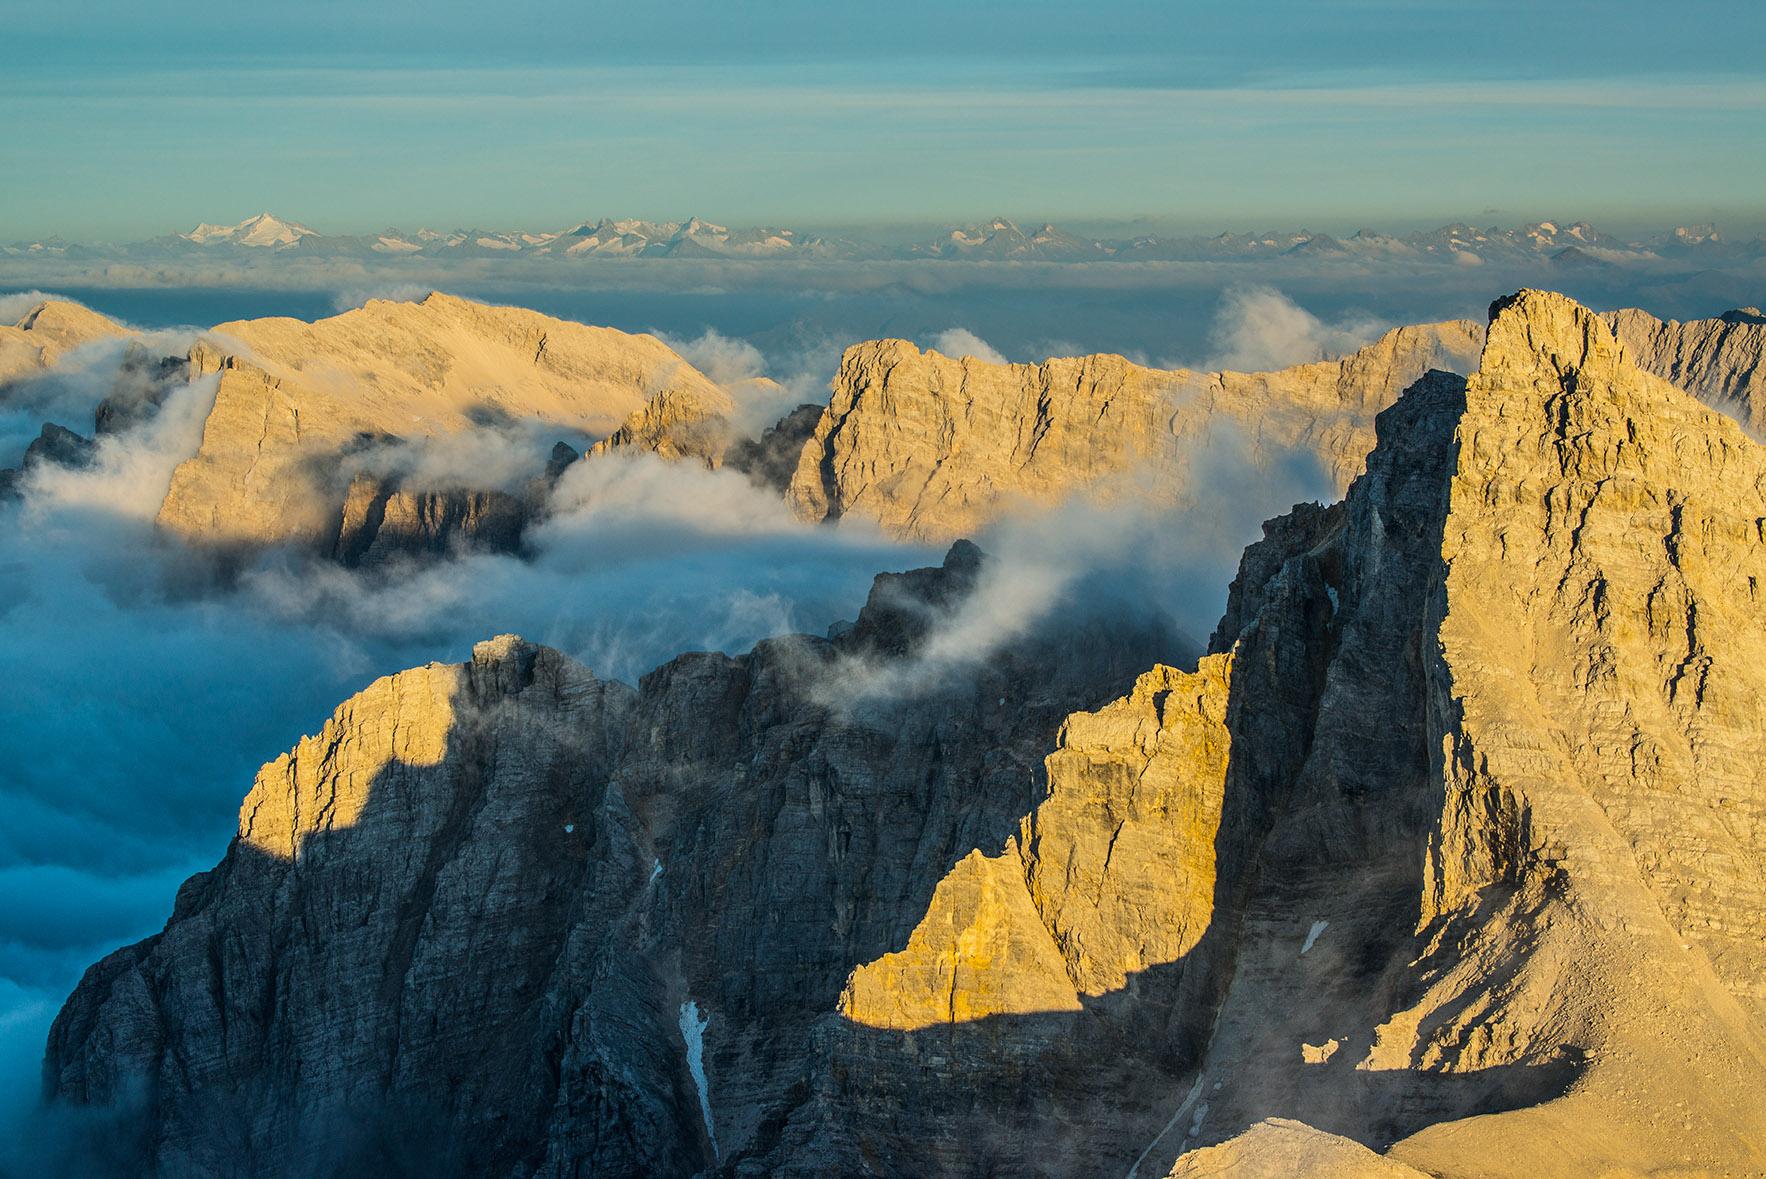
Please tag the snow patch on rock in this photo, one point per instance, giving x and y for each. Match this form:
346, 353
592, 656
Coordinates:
693, 1027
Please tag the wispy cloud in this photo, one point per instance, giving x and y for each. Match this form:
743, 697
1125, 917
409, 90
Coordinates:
1258, 329
961, 342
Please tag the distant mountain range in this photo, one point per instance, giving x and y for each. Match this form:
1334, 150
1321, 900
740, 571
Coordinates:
999, 240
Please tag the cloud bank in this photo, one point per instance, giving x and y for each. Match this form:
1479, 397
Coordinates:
1259, 329
1107, 555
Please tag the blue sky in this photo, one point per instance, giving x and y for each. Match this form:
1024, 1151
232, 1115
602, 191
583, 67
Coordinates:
124, 119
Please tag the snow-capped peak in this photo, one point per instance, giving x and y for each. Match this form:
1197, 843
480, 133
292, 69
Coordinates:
264, 230
697, 228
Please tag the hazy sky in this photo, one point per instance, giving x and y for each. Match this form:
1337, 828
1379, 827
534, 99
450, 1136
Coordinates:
125, 118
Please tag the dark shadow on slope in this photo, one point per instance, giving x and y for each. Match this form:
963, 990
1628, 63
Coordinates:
400, 998
1330, 801
556, 1020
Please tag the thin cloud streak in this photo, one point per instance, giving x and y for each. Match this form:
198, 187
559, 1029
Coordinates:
692, 88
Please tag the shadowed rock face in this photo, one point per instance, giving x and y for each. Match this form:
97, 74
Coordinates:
379, 524
54, 446
771, 459
61, 446
738, 833
382, 522
1450, 850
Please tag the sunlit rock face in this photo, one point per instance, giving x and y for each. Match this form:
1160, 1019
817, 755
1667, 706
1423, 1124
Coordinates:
933, 447
1280, 1148
1721, 361
1445, 861
1530, 818
46, 333
1111, 874
298, 402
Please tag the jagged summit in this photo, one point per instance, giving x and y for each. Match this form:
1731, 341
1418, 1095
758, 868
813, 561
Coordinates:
1445, 861
1531, 328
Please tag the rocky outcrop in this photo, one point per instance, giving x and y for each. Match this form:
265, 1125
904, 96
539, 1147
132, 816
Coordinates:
1112, 873
389, 519
60, 446
294, 397
1070, 974
1283, 1149
142, 383
1721, 361
642, 889
932, 447
53, 446
383, 523
1447, 860
771, 459
675, 425
1506, 919
46, 333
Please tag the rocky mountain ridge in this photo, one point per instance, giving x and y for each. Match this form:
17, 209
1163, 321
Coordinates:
1449, 852
929, 447
46, 333
1000, 239
440, 411
934, 447
295, 402
1721, 361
